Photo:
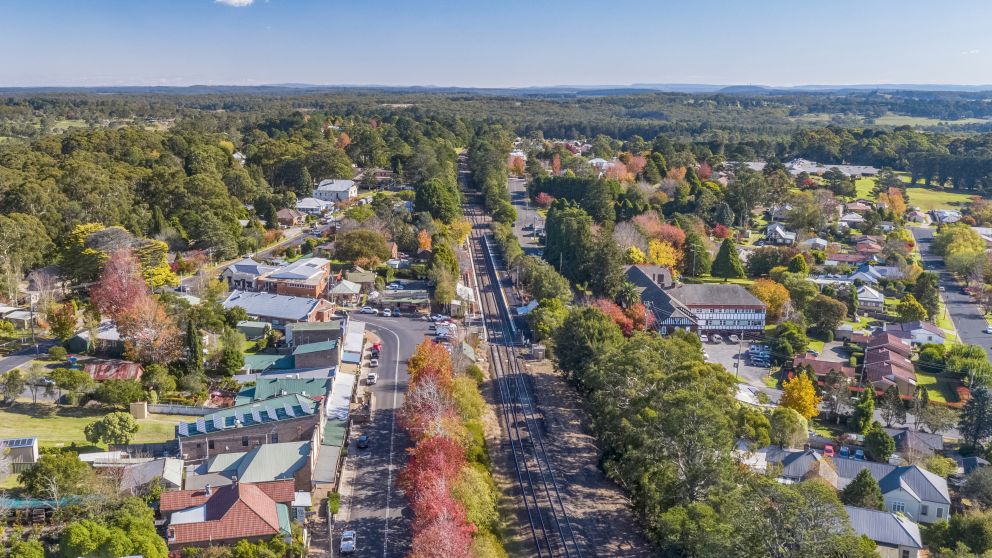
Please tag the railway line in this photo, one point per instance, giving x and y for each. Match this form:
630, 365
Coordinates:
548, 521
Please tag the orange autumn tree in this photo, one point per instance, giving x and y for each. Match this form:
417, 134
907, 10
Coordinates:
516, 165
344, 140
894, 200
555, 164
424, 240
430, 358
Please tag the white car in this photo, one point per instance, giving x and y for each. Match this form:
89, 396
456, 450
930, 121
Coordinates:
374, 362
387, 313
348, 542
394, 287
369, 310
988, 330
372, 378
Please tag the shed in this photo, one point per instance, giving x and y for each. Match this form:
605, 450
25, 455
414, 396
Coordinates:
254, 330
114, 370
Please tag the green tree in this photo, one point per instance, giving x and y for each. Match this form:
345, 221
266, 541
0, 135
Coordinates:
910, 310
585, 334
788, 429
864, 412
863, 492
569, 242
62, 319
978, 487
879, 446
27, 549
798, 264
443, 258
787, 340
12, 384
194, 348
71, 380
727, 263
547, 318
826, 313
119, 393
114, 428
606, 275
892, 407
439, 199
696, 259
361, 244
927, 292
59, 472
975, 423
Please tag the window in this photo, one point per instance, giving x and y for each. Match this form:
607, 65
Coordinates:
274, 438
940, 513
210, 444
664, 330
898, 507
244, 441
924, 509
905, 554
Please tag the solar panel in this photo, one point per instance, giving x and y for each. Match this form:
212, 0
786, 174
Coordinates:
256, 416
201, 425
272, 413
219, 422
183, 429
289, 410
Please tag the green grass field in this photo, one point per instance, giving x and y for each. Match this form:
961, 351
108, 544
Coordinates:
904, 120
865, 187
927, 199
941, 388
710, 279
61, 426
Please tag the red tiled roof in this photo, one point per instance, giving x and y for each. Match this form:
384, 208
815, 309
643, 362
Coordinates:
823, 367
847, 258
888, 341
120, 370
232, 512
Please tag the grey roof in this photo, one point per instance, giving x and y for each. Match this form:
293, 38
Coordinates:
267, 462
272, 305
169, 469
301, 270
915, 440
867, 293
244, 415
714, 294
335, 185
346, 287
663, 306
971, 463
317, 326
776, 229
913, 479
248, 266
887, 528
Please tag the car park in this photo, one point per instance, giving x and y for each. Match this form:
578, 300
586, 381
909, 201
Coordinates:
348, 542
369, 310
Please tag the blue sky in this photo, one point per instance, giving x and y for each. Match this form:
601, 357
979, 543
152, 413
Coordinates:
493, 43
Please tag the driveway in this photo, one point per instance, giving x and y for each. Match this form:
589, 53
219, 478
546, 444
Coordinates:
966, 314
733, 357
371, 502
527, 216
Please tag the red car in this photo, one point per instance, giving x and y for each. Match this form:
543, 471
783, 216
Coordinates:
828, 450
377, 347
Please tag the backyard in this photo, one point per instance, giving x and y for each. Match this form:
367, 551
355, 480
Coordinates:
62, 426
928, 198
939, 386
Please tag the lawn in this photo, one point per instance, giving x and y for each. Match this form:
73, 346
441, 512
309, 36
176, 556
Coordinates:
865, 188
61, 426
928, 198
940, 388
710, 279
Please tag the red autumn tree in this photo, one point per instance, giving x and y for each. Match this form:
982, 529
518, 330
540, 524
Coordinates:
120, 285
672, 235
443, 537
618, 172
555, 164
649, 224
635, 164
641, 319
705, 171
432, 459
721, 231
150, 335
615, 313
544, 200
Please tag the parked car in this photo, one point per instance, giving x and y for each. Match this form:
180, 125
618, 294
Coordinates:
440, 318
394, 287
372, 378
845, 451
373, 362
348, 542
374, 353
859, 454
396, 313
988, 330
369, 310
387, 313
828, 450
716, 338
734, 339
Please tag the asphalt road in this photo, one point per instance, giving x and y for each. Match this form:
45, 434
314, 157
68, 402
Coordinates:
964, 311
24, 356
527, 216
372, 504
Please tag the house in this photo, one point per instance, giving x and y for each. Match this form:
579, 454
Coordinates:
873, 274
108, 340
821, 368
137, 478
945, 216
288, 418
846, 332
244, 274
288, 217
895, 536
887, 364
858, 206
815, 243
842, 258
254, 330
313, 206
314, 332
868, 246
851, 220
706, 308
280, 310
917, 332
870, 300
354, 342
265, 463
916, 442
363, 278
267, 388
104, 370
779, 235
336, 189
917, 216
21, 452
890, 342
911, 490
22, 319
226, 514
305, 277
412, 301
322, 354
345, 293
599, 163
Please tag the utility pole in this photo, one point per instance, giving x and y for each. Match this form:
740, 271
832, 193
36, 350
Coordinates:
34, 300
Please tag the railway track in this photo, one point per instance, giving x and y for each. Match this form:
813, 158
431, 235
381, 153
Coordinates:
547, 518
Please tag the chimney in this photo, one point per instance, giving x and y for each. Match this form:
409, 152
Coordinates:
208, 490
234, 480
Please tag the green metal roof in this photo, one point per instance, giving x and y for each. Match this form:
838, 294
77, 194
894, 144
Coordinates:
334, 430
266, 388
316, 326
283, 512
264, 362
315, 347
300, 405
265, 463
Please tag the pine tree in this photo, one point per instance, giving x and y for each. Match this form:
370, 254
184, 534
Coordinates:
159, 223
864, 411
194, 349
975, 423
892, 407
727, 263
863, 492
696, 259
798, 264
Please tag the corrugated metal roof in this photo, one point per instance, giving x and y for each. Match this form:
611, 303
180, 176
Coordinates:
885, 527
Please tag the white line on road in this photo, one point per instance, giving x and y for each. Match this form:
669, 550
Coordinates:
392, 438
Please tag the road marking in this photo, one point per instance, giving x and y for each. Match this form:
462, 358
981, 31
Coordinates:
392, 438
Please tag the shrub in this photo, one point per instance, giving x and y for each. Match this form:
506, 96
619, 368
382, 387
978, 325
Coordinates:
58, 353
475, 372
333, 503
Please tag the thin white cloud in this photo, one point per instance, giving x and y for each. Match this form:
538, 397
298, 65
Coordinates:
236, 3
972, 52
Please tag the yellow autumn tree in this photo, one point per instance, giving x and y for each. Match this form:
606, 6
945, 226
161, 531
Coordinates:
664, 254
460, 230
894, 200
799, 394
635, 255
774, 295
424, 240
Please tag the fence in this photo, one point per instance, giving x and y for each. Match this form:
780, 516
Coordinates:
169, 409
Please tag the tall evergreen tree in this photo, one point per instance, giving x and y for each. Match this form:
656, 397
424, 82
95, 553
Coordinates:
798, 264
927, 292
975, 423
864, 411
194, 349
727, 263
696, 260
863, 492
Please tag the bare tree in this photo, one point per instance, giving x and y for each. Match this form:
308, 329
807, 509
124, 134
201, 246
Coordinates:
626, 235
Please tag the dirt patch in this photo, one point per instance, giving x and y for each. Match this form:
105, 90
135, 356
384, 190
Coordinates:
600, 513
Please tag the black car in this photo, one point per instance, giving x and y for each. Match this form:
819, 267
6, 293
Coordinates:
363, 441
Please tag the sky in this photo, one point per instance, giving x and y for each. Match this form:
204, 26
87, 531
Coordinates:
493, 43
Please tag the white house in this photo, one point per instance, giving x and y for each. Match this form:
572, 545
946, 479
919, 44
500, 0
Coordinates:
313, 206
336, 189
816, 243
870, 300
917, 332
852, 219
